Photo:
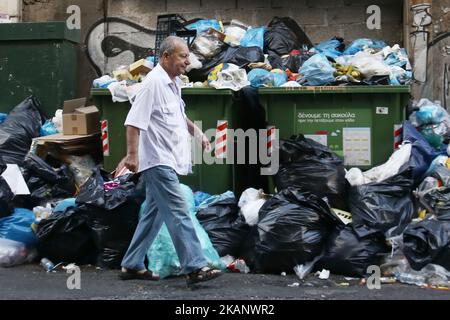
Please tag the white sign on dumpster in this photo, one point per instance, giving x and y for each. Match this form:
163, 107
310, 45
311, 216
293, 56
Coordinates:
356, 145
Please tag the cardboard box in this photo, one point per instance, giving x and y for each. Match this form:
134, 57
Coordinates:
60, 146
79, 119
140, 67
122, 74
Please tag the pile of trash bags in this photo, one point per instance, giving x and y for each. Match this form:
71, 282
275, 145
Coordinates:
325, 216
284, 56
33, 191
321, 215
280, 54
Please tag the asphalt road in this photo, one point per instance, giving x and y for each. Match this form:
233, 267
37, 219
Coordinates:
32, 282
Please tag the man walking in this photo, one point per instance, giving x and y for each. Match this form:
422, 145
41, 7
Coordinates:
158, 147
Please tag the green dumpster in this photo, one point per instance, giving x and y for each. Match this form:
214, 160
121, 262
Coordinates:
359, 123
40, 59
202, 104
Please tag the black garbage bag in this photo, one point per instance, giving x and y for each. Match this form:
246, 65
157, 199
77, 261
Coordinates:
240, 56
114, 215
292, 229
45, 182
252, 116
2, 167
6, 196
113, 232
312, 167
293, 61
427, 242
442, 173
283, 36
66, 237
386, 207
347, 254
20, 127
226, 229
437, 201
42, 169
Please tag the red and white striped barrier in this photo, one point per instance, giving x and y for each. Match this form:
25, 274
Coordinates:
220, 144
271, 136
398, 129
105, 138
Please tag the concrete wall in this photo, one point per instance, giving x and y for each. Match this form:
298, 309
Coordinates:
321, 19
431, 58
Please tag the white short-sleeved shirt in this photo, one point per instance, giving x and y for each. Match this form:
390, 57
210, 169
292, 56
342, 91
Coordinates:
158, 111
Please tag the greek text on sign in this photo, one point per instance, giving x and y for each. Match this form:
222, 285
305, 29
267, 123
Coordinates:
326, 117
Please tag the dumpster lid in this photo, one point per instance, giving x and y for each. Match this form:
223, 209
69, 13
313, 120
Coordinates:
335, 89
184, 91
54, 30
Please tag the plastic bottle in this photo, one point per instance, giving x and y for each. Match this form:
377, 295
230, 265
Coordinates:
410, 278
47, 264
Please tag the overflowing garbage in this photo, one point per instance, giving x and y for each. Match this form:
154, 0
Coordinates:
323, 216
280, 54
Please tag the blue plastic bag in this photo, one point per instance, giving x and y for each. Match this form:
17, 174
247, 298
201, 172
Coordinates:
17, 227
204, 25
2, 117
63, 205
263, 78
359, 44
430, 114
257, 77
162, 255
278, 79
317, 70
199, 197
432, 121
329, 48
48, 128
422, 153
103, 82
254, 37
397, 59
214, 199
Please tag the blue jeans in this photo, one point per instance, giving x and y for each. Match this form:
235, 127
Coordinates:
165, 203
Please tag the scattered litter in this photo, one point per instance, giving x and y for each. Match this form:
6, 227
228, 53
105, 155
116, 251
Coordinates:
295, 284
324, 274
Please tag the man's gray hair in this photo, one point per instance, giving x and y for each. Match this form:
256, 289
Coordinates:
169, 45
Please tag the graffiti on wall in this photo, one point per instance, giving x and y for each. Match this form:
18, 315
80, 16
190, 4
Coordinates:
113, 42
431, 58
419, 39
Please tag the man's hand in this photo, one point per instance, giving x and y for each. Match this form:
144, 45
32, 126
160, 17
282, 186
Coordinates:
132, 162
205, 144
